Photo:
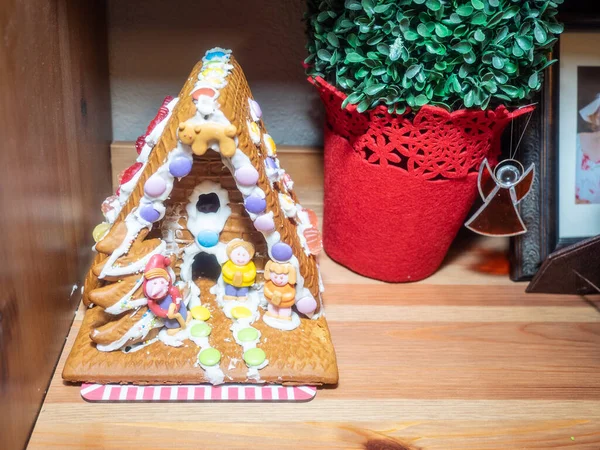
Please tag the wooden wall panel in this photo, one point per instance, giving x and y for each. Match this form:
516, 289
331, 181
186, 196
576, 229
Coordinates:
54, 170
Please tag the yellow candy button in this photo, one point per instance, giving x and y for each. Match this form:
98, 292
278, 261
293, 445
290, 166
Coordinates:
240, 312
100, 230
200, 313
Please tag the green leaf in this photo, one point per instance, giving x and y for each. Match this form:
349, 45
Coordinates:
378, 71
525, 42
442, 30
363, 106
433, 5
555, 28
501, 35
413, 71
423, 30
435, 48
533, 81
494, 3
324, 55
368, 7
479, 18
511, 91
333, 39
470, 99
477, 4
464, 10
374, 89
379, 9
462, 47
354, 57
353, 5
497, 62
479, 36
421, 100
540, 34
470, 57
510, 12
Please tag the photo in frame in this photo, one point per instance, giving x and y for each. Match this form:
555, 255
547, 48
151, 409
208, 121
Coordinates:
561, 141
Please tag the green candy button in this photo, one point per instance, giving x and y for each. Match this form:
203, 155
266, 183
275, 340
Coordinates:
248, 334
200, 330
209, 357
254, 357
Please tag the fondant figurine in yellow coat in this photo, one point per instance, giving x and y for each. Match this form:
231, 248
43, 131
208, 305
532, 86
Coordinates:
239, 272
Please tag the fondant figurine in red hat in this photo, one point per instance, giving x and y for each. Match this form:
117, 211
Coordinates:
164, 299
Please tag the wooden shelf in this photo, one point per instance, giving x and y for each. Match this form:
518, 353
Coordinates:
462, 360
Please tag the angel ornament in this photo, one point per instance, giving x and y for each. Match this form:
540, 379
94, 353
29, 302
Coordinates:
501, 191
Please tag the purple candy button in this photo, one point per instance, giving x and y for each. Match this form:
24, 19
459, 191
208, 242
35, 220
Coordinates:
264, 223
255, 204
246, 175
281, 252
155, 186
149, 214
180, 167
271, 163
306, 305
255, 108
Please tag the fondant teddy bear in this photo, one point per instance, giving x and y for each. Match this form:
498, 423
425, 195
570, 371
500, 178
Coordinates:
199, 136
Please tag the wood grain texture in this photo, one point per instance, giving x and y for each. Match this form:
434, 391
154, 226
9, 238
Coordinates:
462, 360
55, 128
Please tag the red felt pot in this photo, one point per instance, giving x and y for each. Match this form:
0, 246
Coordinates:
398, 189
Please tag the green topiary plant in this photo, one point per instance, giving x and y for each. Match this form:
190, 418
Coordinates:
449, 53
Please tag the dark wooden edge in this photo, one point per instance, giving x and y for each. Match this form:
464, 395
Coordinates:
539, 209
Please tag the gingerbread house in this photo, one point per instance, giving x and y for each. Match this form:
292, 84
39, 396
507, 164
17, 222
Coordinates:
206, 190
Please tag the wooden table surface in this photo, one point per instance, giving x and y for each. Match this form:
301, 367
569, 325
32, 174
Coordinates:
462, 360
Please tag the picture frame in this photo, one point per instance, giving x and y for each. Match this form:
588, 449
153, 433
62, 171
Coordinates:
540, 146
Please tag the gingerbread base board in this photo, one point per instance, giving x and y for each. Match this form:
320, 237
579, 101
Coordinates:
304, 356
197, 393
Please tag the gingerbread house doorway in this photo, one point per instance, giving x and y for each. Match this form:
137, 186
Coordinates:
205, 266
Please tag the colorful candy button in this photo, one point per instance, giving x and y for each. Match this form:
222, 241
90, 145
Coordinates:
254, 130
200, 313
306, 305
271, 163
207, 238
213, 73
149, 214
255, 204
155, 186
264, 223
254, 356
240, 312
200, 330
209, 357
214, 54
270, 144
100, 230
180, 166
207, 91
281, 252
247, 334
246, 175
255, 109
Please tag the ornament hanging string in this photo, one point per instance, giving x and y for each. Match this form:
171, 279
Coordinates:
514, 151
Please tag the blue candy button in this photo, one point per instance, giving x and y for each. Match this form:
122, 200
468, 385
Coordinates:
207, 238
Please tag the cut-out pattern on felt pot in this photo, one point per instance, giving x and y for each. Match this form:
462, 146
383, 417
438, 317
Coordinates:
397, 190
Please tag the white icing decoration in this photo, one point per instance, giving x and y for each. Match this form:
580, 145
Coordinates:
287, 206
138, 331
281, 324
255, 117
198, 221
